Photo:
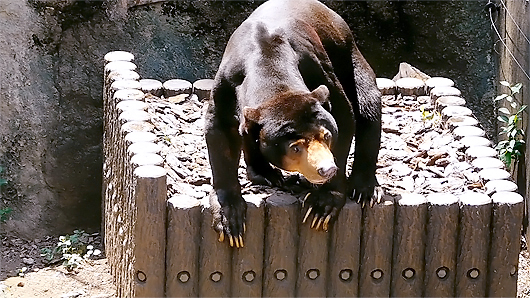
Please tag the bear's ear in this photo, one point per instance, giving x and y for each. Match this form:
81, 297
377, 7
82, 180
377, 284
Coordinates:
268, 40
251, 117
321, 94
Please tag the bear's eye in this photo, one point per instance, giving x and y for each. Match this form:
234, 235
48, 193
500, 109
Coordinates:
327, 137
295, 148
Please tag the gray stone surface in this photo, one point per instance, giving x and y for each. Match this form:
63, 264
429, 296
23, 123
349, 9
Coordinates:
51, 63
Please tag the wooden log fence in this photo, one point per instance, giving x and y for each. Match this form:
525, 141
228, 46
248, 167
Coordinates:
439, 245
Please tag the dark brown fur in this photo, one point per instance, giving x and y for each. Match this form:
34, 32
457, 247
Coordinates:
289, 70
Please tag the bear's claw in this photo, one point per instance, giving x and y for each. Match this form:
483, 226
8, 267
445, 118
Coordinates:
326, 223
229, 217
234, 241
324, 206
307, 214
363, 197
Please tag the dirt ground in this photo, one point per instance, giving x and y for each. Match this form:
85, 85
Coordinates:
93, 279
523, 278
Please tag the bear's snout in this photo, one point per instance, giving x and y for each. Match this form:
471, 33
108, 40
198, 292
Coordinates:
327, 169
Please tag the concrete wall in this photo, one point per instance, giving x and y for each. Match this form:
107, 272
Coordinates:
51, 79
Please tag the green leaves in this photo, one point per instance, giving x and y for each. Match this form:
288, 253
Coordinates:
504, 111
516, 88
511, 148
501, 97
2, 181
71, 249
4, 214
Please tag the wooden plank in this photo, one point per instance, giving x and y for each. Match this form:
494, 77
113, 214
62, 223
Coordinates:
408, 268
344, 252
312, 262
441, 245
474, 240
215, 258
376, 249
247, 270
281, 245
508, 208
150, 231
182, 253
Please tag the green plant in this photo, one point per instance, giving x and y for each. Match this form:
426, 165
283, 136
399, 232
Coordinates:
71, 250
4, 212
512, 146
2, 181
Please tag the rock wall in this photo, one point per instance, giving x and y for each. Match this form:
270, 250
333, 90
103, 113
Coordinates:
51, 79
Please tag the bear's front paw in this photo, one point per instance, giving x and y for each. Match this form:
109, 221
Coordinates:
229, 213
325, 206
364, 193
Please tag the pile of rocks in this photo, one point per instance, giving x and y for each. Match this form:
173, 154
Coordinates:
430, 142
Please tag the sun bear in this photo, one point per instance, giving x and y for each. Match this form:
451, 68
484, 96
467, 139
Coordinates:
291, 91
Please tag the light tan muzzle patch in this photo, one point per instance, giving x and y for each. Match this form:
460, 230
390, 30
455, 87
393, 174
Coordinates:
313, 159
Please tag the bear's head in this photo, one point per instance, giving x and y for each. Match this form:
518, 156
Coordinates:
296, 133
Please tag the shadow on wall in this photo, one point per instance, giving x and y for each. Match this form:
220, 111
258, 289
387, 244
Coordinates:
184, 39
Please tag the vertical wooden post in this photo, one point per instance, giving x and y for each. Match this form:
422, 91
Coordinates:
474, 240
215, 257
344, 252
441, 245
150, 231
151, 86
409, 246
118, 56
182, 253
177, 86
247, 269
505, 244
281, 246
376, 249
312, 262
202, 88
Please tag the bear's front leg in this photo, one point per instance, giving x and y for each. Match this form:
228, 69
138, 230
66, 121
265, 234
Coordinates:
224, 149
227, 205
